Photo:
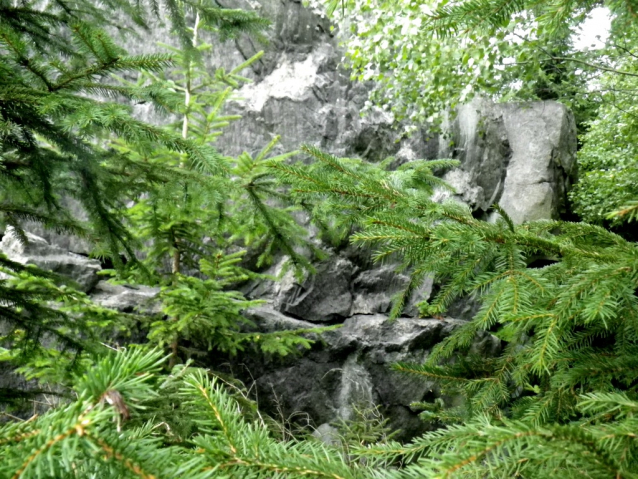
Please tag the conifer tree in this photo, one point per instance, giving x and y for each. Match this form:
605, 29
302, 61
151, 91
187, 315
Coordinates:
190, 222
559, 400
54, 58
560, 396
66, 133
104, 433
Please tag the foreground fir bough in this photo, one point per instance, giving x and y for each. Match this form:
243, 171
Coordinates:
66, 133
92, 437
561, 296
68, 136
558, 401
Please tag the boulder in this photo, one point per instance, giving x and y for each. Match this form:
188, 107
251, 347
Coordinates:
66, 241
37, 251
542, 136
269, 320
519, 155
324, 297
327, 434
375, 287
342, 287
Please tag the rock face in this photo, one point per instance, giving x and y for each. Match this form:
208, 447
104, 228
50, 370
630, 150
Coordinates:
81, 270
309, 100
323, 297
350, 368
343, 286
67, 242
518, 155
127, 299
37, 251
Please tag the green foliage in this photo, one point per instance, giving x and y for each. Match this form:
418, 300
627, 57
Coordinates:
66, 131
100, 434
202, 311
54, 86
559, 399
40, 340
570, 329
106, 432
366, 427
203, 206
428, 57
363, 189
600, 445
83, 437
189, 213
262, 216
606, 191
56, 106
207, 314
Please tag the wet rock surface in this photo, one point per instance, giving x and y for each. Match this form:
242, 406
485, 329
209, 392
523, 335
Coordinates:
519, 155
127, 298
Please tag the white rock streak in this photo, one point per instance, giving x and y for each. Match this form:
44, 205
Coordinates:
292, 80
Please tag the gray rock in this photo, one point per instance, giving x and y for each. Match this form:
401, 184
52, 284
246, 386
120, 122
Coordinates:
327, 434
307, 99
542, 136
301, 92
374, 290
357, 388
295, 30
35, 399
127, 298
350, 367
519, 155
324, 297
39, 252
269, 320
338, 290
67, 242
